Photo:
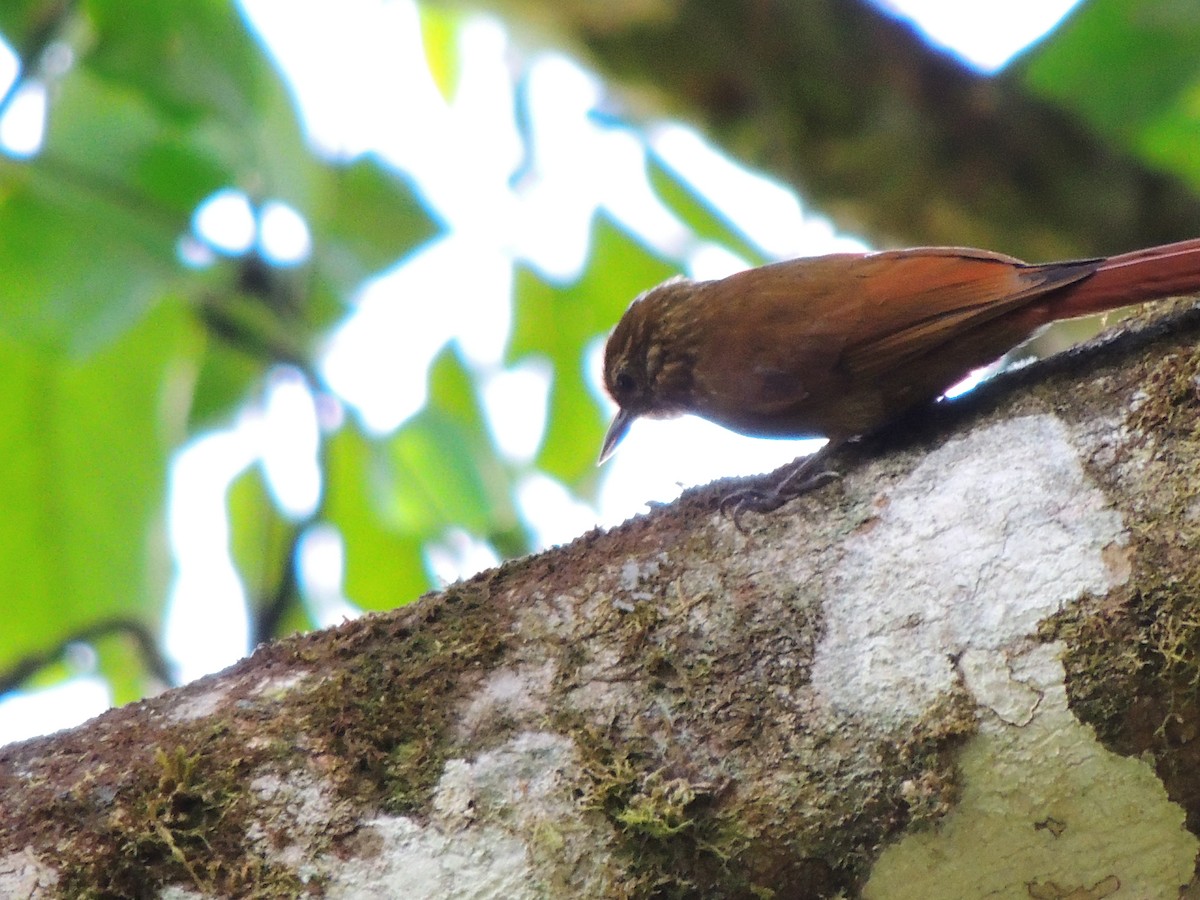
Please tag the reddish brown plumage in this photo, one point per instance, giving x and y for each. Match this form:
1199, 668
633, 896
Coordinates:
835, 346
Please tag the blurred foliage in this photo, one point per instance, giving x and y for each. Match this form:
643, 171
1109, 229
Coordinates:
113, 352
558, 322
439, 31
85, 447
1130, 69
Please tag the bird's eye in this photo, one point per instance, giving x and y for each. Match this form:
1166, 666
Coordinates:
624, 383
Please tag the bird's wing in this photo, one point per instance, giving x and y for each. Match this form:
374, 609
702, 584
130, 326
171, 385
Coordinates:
783, 334
913, 302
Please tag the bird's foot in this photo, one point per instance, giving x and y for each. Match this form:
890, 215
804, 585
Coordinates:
804, 476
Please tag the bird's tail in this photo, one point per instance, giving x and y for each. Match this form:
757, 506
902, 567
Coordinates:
1166, 271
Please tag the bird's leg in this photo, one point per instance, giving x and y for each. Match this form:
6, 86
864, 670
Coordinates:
799, 478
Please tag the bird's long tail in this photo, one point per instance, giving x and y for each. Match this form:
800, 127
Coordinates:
1150, 274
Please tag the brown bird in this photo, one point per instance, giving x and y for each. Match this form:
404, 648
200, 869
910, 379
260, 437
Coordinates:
837, 346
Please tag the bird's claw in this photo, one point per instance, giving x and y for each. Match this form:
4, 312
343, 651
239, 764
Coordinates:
793, 485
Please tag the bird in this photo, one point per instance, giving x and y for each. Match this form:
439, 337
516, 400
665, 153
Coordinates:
838, 346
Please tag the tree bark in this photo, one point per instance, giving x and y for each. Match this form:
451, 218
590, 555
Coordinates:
968, 668
892, 139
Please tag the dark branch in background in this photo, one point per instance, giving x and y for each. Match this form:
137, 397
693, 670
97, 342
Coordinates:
268, 611
261, 318
137, 631
54, 21
224, 324
6, 98
261, 315
892, 139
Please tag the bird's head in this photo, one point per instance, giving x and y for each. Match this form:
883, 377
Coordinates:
649, 357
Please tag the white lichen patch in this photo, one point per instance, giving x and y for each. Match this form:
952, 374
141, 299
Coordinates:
502, 824
23, 874
277, 687
199, 706
294, 808
422, 863
518, 694
1046, 811
523, 777
182, 892
636, 572
986, 538
207, 703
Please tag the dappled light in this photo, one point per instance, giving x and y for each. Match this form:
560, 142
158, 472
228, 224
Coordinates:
317, 327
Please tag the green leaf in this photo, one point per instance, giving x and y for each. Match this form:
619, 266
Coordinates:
85, 446
1169, 142
439, 34
21, 18
113, 141
260, 539
192, 59
78, 268
441, 469
1119, 63
88, 231
385, 567
158, 114
364, 219
446, 469
30, 24
698, 213
559, 322
222, 384
122, 664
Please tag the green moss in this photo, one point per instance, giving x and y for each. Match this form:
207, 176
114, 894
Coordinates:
410, 772
180, 813
675, 840
1104, 657
657, 808
1133, 658
183, 822
931, 755
177, 817
1169, 398
386, 714
733, 677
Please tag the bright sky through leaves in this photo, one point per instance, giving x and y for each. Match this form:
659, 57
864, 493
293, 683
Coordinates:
348, 61
984, 33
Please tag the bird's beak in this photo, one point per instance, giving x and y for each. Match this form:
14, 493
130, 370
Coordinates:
620, 424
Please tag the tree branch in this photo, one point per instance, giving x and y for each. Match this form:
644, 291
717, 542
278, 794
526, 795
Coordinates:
836, 98
147, 649
980, 645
